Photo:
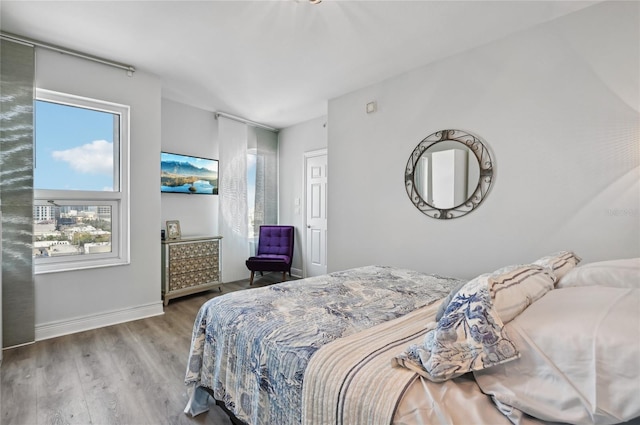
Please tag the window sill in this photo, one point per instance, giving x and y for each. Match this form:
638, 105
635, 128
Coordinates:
78, 265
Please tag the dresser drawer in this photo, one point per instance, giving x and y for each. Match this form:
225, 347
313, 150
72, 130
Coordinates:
190, 265
192, 250
188, 280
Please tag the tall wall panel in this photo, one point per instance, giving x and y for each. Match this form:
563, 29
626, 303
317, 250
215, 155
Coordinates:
17, 69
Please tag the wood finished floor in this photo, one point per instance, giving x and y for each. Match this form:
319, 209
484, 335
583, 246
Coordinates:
129, 374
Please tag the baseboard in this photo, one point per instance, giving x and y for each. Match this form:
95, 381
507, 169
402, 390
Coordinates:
94, 321
296, 272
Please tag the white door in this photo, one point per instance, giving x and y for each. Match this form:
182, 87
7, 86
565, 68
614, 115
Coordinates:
315, 263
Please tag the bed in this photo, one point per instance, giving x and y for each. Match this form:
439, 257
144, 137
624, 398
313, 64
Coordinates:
382, 345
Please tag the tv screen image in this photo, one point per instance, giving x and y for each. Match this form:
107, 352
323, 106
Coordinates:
188, 174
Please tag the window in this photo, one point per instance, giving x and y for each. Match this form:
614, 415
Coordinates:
80, 212
254, 225
262, 181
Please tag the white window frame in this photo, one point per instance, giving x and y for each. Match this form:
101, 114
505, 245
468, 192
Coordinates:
118, 199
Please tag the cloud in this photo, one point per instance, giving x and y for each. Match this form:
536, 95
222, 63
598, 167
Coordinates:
91, 158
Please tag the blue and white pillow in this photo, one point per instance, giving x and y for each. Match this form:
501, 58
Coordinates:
470, 336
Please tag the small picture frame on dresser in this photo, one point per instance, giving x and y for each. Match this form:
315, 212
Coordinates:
173, 229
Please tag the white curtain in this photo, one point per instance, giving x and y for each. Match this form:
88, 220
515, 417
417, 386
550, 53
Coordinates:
236, 141
232, 138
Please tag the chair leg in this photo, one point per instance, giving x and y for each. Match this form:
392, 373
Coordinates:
284, 276
251, 278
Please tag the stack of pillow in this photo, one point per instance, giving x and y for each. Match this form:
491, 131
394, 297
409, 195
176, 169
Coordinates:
469, 332
569, 355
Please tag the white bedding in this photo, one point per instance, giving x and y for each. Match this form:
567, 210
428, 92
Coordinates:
458, 401
580, 364
580, 359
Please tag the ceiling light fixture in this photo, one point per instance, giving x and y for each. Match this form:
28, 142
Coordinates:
315, 1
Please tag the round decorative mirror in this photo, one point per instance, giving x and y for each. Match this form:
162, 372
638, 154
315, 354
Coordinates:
448, 174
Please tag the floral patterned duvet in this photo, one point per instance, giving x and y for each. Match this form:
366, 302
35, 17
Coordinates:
251, 347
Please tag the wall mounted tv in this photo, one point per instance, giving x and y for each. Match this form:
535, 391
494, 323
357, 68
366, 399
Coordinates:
188, 174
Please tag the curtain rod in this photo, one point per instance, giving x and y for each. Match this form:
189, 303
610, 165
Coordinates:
243, 120
19, 39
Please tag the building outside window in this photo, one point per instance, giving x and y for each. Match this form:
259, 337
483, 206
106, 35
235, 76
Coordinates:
80, 213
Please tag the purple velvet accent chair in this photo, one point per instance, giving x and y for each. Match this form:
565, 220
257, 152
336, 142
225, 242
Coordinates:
275, 251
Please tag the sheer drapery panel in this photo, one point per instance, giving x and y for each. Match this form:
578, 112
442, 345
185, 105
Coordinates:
17, 73
232, 139
248, 190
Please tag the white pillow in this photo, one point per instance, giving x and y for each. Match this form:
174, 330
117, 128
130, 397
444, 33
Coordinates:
559, 263
617, 273
580, 358
514, 288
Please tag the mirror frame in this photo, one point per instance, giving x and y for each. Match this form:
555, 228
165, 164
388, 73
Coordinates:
481, 152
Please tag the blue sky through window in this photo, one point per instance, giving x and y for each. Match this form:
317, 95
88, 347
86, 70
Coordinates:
74, 148
251, 180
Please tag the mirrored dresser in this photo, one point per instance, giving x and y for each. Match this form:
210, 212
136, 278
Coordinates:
190, 265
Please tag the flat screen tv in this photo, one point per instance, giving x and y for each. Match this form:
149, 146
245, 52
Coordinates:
188, 174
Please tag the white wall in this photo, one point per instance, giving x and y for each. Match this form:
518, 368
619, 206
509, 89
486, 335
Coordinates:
189, 131
293, 142
76, 300
558, 105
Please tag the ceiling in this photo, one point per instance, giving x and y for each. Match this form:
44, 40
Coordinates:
273, 62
